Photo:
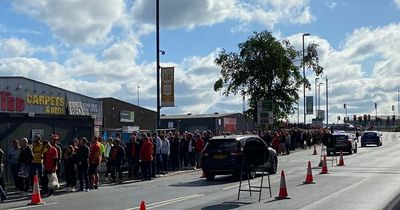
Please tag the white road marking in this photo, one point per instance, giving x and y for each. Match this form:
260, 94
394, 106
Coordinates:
166, 202
34, 206
237, 185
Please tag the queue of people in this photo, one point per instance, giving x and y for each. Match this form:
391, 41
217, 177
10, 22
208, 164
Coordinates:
77, 163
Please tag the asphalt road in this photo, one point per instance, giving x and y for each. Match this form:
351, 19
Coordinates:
370, 179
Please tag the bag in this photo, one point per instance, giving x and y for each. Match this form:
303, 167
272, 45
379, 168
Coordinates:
53, 181
23, 171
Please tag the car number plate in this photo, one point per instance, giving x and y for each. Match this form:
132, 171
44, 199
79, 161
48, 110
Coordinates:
219, 157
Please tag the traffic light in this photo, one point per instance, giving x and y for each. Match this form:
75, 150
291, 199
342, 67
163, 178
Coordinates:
354, 117
369, 117
365, 117
338, 117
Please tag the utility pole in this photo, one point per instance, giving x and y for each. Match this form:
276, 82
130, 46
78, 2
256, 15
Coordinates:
326, 92
158, 60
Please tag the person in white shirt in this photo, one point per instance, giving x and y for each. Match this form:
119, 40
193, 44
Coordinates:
165, 151
108, 147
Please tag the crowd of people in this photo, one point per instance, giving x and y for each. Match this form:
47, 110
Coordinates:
144, 156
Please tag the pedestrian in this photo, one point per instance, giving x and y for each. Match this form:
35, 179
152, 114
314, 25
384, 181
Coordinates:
70, 172
51, 161
198, 148
55, 142
146, 155
12, 160
158, 157
82, 157
132, 150
94, 161
117, 157
108, 147
183, 151
175, 151
165, 152
3, 194
191, 150
37, 162
25, 159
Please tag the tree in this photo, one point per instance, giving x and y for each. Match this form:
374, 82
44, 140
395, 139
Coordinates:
265, 68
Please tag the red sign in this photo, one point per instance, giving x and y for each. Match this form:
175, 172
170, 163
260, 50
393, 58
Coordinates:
230, 124
10, 103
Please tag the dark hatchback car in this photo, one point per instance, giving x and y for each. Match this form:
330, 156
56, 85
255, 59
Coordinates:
222, 155
371, 137
341, 141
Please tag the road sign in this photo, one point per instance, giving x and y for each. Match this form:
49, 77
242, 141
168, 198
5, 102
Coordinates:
265, 113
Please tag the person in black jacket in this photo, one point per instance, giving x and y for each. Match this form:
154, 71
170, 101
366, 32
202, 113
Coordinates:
25, 159
82, 158
69, 161
117, 157
132, 155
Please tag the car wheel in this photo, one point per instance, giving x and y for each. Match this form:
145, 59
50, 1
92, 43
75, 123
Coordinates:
351, 151
252, 173
274, 166
210, 176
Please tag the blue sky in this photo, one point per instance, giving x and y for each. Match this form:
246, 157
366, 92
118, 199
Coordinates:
108, 49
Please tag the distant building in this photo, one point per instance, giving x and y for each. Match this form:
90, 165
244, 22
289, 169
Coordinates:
232, 122
123, 118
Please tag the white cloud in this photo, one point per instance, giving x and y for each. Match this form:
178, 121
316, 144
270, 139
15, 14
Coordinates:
13, 47
397, 2
75, 21
189, 14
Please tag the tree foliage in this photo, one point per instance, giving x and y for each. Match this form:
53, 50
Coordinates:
265, 68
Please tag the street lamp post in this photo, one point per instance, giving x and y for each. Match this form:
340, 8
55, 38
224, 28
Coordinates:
326, 92
319, 97
304, 78
138, 87
158, 60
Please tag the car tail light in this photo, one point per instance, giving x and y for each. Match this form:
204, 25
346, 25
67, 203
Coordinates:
239, 152
205, 154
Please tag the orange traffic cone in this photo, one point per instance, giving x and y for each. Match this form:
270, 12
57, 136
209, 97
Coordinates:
282, 190
309, 176
142, 205
341, 161
324, 167
36, 199
315, 150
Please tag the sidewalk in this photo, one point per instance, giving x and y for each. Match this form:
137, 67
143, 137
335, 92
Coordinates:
13, 195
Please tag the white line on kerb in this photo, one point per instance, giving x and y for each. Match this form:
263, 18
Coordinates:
34, 206
171, 201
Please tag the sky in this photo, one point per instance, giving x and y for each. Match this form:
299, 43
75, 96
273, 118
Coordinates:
107, 48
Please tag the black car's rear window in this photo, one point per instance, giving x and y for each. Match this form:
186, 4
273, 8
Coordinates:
340, 138
369, 134
223, 144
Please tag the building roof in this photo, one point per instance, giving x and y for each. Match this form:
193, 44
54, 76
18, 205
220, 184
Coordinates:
120, 101
195, 116
61, 89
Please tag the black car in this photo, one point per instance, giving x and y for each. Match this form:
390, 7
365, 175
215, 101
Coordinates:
223, 155
341, 141
371, 137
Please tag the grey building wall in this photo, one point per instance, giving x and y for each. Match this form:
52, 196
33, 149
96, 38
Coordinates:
145, 119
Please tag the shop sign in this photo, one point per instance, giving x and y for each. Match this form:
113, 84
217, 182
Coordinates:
9, 103
51, 104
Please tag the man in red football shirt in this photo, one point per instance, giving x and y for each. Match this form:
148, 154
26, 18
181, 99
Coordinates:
94, 161
50, 166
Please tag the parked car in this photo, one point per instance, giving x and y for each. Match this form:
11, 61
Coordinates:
224, 154
341, 141
371, 137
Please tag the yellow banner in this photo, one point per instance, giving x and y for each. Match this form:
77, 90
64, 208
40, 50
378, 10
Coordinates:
167, 87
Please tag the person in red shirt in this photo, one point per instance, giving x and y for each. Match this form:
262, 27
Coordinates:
146, 155
50, 166
199, 148
94, 161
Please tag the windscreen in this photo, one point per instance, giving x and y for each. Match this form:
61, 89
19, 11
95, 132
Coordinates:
223, 144
369, 134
